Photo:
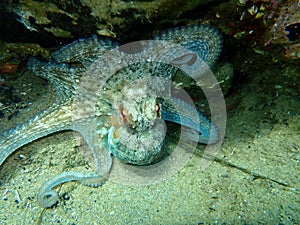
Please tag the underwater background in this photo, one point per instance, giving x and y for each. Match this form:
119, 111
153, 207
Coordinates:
255, 175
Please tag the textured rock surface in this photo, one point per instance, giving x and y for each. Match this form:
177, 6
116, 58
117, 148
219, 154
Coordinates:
81, 18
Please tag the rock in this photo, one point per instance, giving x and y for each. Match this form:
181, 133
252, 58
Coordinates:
82, 18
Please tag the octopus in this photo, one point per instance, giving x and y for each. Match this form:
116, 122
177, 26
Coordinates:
118, 97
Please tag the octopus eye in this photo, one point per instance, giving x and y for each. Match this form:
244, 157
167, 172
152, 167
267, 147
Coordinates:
157, 109
124, 115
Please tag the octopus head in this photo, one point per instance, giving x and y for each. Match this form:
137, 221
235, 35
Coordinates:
140, 114
137, 133
137, 107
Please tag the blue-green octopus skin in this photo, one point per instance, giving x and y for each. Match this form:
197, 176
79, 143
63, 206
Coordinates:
64, 73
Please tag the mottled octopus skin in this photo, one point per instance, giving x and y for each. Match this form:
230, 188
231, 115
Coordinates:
65, 69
